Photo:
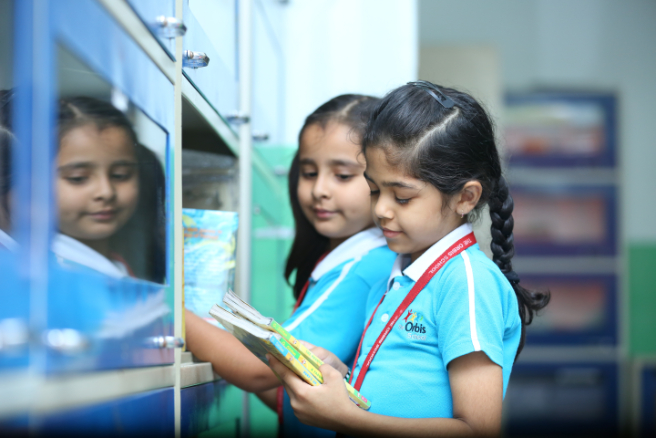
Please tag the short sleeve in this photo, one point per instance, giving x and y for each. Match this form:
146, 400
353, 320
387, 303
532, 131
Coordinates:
469, 311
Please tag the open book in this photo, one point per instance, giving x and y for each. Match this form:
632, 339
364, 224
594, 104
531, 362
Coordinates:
263, 335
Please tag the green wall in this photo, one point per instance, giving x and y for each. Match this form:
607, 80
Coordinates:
642, 299
270, 294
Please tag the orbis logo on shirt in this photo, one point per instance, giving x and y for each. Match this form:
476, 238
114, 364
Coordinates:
412, 324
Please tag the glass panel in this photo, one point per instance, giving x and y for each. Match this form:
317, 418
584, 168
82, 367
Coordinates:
6, 130
15, 302
110, 179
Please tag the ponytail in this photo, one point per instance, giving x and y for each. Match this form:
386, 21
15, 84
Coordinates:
503, 250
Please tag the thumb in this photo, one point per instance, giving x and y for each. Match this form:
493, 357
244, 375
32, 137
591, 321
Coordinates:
330, 374
279, 369
307, 344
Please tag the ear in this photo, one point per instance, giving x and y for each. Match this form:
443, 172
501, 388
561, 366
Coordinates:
468, 197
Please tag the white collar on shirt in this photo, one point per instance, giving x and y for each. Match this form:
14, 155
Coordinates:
8, 242
355, 246
416, 269
75, 251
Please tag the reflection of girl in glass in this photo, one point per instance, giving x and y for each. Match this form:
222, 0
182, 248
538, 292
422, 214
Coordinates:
6, 142
109, 193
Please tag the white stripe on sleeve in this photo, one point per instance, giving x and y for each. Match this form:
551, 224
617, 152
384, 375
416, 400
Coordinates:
324, 296
472, 302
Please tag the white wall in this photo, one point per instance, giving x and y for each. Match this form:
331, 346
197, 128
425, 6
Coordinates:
345, 46
590, 44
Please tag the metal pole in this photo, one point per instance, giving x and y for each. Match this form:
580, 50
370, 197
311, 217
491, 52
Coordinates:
177, 221
245, 170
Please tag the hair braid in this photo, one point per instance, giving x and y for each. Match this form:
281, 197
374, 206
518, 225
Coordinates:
503, 245
503, 249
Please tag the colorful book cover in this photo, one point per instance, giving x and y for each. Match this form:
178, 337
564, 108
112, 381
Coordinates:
300, 347
294, 363
209, 257
314, 363
302, 359
260, 342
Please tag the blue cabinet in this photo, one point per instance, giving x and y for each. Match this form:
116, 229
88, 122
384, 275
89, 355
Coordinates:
147, 414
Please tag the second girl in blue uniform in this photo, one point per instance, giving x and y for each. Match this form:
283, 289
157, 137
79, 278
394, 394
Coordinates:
338, 255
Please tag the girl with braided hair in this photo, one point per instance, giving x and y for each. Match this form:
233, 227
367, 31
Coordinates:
443, 331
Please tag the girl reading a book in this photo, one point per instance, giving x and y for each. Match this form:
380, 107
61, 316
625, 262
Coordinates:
337, 255
109, 193
445, 327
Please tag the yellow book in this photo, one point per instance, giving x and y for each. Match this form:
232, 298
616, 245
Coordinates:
260, 342
312, 364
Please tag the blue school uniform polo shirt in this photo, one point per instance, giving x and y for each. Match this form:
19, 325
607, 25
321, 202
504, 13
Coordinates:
333, 309
467, 306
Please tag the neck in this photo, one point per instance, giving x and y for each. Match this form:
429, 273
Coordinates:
334, 243
415, 255
101, 246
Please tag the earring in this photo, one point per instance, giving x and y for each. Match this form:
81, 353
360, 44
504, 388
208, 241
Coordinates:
462, 215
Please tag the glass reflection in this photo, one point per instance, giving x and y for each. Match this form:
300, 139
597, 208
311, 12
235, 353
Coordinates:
6, 129
6, 144
109, 180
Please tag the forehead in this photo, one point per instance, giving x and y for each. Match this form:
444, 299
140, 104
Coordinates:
378, 167
335, 141
88, 143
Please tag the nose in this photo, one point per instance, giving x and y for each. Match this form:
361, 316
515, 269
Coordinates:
382, 208
105, 189
321, 187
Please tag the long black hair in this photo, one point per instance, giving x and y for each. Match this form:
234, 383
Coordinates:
142, 240
353, 111
445, 138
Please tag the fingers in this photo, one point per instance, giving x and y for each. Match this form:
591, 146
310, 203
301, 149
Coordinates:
330, 374
307, 344
279, 369
289, 379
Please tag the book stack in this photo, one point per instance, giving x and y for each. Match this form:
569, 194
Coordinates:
262, 335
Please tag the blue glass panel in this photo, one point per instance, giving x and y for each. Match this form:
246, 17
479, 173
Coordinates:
94, 321
216, 82
149, 11
149, 414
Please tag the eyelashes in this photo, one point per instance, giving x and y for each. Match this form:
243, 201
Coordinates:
400, 201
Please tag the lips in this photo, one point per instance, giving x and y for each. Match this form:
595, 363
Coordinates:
391, 234
324, 214
103, 215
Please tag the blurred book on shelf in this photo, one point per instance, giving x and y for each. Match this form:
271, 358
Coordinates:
210, 239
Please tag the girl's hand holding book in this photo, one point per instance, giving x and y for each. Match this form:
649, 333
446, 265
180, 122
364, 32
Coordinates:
326, 406
327, 357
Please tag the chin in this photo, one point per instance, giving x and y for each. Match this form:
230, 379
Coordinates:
397, 247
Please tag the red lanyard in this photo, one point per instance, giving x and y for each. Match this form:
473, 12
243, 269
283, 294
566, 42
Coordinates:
307, 284
447, 255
